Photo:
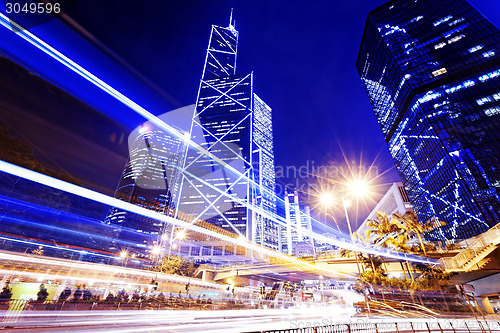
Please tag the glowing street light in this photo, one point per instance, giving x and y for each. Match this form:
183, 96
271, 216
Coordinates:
156, 250
124, 255
355, 189
327, 199
180, 234
358, 188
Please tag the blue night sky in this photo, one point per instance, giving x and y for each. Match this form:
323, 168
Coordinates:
302, 54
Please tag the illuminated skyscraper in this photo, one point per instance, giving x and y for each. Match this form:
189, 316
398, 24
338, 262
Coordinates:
234, 125
431, 70
298, 226
150, 179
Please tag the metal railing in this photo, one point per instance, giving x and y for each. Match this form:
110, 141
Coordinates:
442, 326
480, 243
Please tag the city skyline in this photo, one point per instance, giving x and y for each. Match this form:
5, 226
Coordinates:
250, 165
170, 50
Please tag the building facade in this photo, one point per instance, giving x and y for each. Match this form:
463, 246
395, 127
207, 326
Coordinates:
395, 200
432, 73
297, 240
232, 187
151, 180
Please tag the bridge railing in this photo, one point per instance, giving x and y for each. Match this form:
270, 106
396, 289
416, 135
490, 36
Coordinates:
442, 326
460, 260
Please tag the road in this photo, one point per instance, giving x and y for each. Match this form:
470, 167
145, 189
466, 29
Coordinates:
225, 321
176, 320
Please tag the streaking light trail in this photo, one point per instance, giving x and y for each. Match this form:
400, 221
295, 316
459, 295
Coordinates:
95, 196
113, 202
78, 69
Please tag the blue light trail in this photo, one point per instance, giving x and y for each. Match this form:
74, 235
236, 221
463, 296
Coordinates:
92, 195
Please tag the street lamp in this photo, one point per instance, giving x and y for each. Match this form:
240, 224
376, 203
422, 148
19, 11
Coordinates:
179, 235
357, 189
124, 255
327, 200
156, 250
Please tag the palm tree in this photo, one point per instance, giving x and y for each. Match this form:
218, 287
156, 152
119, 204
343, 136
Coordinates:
409, 222
375, 261
391, 235
385, 227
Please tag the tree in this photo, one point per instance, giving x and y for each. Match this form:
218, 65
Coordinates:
391, 234
372, 263
384, 227
176, 265
409, 222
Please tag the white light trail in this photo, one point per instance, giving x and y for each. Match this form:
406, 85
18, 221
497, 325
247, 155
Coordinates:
113, 202
66, 61
69, 63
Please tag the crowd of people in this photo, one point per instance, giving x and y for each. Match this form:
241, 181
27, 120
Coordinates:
83, 295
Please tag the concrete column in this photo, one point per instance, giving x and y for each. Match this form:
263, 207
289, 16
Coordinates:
487, 305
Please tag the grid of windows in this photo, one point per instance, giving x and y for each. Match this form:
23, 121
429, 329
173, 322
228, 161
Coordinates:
436, 100
150, 180
234, 125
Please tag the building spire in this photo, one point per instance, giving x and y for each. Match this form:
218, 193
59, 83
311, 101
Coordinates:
232, 23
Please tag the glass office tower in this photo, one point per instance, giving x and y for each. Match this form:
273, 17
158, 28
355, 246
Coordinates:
150, 179
431, 70
234, 125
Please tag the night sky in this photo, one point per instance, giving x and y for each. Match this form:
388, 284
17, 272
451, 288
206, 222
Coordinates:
302, 54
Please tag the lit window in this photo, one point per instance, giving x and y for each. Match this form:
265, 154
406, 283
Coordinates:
465, 84
490, 75
393, 29
457, 29
445, 19
456, 21
488, 54
416, 19
440, 45
440, 104
439, 72
492, 111
429, 96
496, 96
484, 100
475, 48
456, 38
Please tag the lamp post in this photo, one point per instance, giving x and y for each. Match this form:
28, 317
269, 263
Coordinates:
327, 200
356, 189
179, 235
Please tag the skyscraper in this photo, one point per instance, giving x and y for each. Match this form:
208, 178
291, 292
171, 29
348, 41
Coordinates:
235, 126
432, 73
298, 225
150, 179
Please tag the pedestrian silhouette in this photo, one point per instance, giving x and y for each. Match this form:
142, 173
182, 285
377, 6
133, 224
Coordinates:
6, 293
87, 295
42, 294
65, 295
77, 294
